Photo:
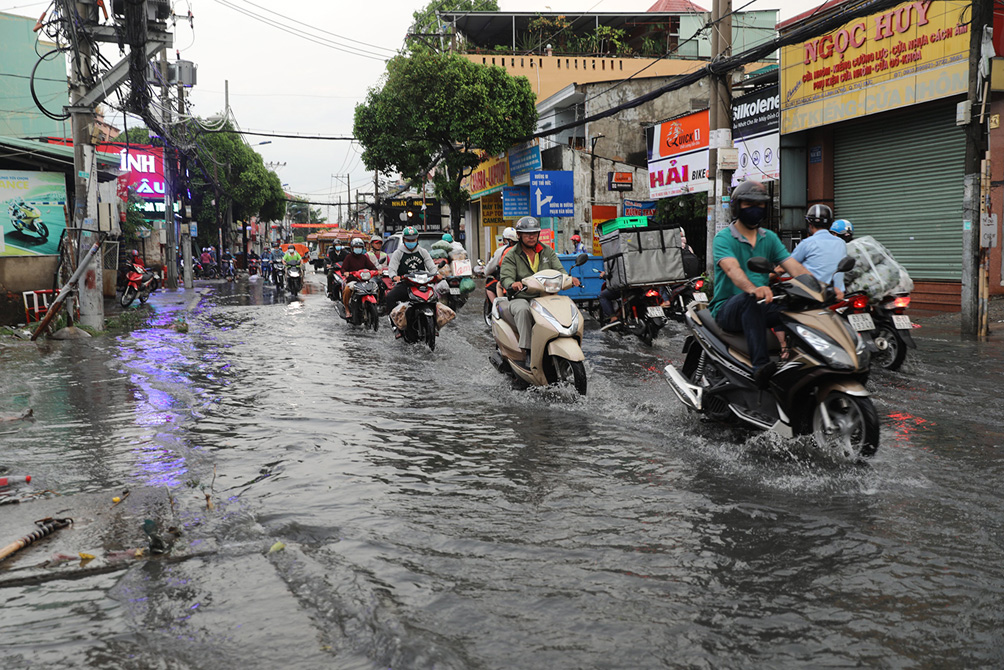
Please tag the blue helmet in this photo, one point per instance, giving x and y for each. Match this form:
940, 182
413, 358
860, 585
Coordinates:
447, 237
842, 227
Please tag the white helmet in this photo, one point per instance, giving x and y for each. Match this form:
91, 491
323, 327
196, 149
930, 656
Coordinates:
510, 234
358, 242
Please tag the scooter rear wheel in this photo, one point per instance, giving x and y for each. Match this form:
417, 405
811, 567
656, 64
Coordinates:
892, 357
854, 426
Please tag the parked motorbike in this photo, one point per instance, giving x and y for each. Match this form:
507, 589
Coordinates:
882, 324
556, 347
676, 297
640, 313
294, 279
27, 218
818, 390
140, 282
420, 314
364, 299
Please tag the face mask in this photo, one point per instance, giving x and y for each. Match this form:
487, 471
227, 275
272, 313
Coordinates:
357, 250
752, 216
410, 246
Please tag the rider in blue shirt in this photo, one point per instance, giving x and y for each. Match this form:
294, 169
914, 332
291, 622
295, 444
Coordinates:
821, 252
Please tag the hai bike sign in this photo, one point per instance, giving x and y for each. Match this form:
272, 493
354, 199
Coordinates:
913, 53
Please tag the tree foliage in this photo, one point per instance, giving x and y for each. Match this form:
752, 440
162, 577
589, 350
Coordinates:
433, 111
300, 211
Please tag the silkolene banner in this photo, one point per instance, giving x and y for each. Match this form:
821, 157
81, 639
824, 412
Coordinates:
756, 135
678, 156
32, 218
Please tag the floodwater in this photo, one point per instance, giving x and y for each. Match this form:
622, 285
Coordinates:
430, 516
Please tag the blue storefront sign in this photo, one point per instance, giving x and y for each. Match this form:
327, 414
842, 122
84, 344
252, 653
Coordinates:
552, 193
524, 160
515, 201
639, 207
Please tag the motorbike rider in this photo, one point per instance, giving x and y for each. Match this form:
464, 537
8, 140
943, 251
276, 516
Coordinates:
510, 240
843, 229
820, 252
577, 246
743, 301
376, 252
357, 260
292, 257
407, 258
337, 253
528, 258
225, 258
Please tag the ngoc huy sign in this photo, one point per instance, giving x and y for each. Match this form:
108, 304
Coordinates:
913, 53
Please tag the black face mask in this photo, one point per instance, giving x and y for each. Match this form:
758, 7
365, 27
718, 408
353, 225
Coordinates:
752, 216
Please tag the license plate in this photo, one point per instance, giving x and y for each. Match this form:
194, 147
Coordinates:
700, 297
655, 311
901, 321
454, 290
861, 322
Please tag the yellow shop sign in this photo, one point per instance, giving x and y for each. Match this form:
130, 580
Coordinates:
913, 53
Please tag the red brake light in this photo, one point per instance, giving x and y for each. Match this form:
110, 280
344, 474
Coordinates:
699, 284
901, 301
859, 302
651, 293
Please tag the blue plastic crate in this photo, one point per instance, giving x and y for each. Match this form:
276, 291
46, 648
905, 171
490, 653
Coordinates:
588, 274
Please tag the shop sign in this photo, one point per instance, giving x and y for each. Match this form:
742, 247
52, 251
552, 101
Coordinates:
515, 201
524, 159
552, 193
546, 237
913, 53
489, 177
678, 156
620, 181
35, 201
755, 135
491, 211
640, 207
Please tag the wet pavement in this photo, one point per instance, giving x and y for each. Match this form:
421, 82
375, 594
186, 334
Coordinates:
430, 516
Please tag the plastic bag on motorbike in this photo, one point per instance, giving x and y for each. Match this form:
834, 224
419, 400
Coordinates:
398, 316
444, 315
875, 271
466, 285
441, 245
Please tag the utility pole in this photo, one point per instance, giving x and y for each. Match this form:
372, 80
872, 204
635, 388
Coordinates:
171, 261
720, 135
376, 201
975, 215
186, 220
85, 181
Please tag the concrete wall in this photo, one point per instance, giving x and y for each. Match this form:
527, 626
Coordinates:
22, 273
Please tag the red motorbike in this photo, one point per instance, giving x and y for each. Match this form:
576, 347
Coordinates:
419, 313
140, 282
364, 299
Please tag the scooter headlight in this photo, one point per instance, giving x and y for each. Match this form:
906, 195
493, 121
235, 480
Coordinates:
552, 284
562, 330
830, 351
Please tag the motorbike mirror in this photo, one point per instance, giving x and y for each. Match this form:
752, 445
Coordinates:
759, 264
846, 263
581, 259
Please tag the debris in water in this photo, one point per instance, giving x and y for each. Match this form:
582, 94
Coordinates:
278, 546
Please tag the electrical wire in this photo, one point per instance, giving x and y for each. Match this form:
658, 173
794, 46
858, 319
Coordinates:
321, 30
283, 135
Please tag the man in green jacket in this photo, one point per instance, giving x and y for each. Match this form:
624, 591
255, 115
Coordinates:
529, 258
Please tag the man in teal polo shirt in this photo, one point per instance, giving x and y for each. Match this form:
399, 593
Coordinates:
738, 290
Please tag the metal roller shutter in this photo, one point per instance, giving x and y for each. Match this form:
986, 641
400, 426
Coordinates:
899, 177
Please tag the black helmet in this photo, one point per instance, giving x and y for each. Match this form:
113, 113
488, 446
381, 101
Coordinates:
528, 224
819, 216
750, 191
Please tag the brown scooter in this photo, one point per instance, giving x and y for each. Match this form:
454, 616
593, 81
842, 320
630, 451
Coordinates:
556, 342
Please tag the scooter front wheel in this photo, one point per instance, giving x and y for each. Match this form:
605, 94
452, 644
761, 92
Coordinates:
128, 295
846, 426
488, 313
570, 372
374, 317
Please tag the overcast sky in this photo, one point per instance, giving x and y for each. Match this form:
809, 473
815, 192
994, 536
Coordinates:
283, 81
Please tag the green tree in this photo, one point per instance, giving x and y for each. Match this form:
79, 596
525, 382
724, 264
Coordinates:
433, 111
300, 211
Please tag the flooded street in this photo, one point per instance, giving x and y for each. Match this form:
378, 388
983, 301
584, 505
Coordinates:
433, 517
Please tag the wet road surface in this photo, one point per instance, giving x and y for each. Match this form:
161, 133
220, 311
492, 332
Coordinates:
433, 517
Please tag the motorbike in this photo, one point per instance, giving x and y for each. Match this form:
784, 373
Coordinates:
141, 282
882, 324
253, 266
294, 279
278, 275
677, 297
819, 390
419, 323
27, 219
266, 268
453, 297
556, 346
641, 313
364, 299
229, 269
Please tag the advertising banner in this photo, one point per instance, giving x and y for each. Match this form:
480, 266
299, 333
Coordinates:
678, 156
524, 159
756, 135
552, 193
515, 201
491, 211
913, 53
31, 210
489, 177
620, 181
640, 207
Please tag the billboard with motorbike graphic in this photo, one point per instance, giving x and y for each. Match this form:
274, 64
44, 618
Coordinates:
32, 216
